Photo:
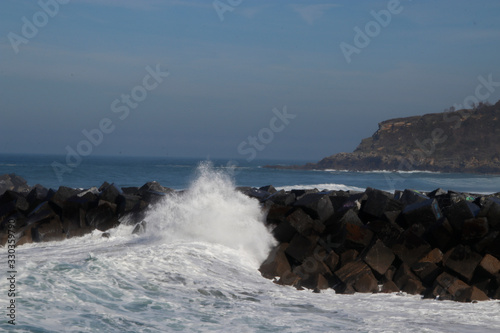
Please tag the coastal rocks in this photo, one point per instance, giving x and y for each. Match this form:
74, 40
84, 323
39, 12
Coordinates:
41, 214
440, 244
429, 142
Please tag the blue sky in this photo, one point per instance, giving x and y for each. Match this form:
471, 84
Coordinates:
226, 76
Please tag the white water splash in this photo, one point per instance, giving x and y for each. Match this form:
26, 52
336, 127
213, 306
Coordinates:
212, 210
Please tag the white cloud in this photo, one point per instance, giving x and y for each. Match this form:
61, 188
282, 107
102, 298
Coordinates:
311, 13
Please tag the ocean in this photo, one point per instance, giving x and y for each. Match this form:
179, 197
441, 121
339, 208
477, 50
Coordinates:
195, 267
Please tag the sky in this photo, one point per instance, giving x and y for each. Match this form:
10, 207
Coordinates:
238, 79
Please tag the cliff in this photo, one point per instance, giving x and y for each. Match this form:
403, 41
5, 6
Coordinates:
458, 141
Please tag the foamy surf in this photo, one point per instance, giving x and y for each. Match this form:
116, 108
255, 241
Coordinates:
321, 187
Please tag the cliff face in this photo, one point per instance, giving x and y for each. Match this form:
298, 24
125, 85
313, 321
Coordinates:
459, 141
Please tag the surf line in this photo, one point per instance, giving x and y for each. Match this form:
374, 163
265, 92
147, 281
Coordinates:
11, 271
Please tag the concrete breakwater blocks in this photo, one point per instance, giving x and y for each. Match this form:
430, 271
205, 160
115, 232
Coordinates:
41, 214
442, 244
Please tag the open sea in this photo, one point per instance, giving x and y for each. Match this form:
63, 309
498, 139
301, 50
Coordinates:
195, 268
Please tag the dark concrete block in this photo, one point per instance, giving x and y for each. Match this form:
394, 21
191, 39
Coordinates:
351, 217
301, 247
442, 236
366, 283
410, 248
352, 271
458, 212
389, 287
268, 188
379, 257
403, 275
475, 229
48, 230
462, 261
276, 263
18, 199
131, 190
102, 217
153, 192
36, 196
309, 272
490, 265
44, 211
471, 294
301, 192
332, 260
348, 256
111, 193
317, 205
284, 232
386, 231
13, 182
357, 237
425, 212
282, 198
409, 197
413, 287
427, 272
491, 210
437, 192
303, 223
378, 202
126, 203
435, 256
63, 194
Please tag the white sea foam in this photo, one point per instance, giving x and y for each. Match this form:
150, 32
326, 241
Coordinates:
329, 187
379, 171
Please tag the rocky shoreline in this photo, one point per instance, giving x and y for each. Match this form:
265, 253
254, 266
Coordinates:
462, 141
442, 244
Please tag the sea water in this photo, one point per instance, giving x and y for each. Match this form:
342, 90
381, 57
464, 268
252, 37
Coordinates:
178, 173
195, 267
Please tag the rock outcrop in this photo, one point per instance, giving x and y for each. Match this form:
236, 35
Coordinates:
460, 141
